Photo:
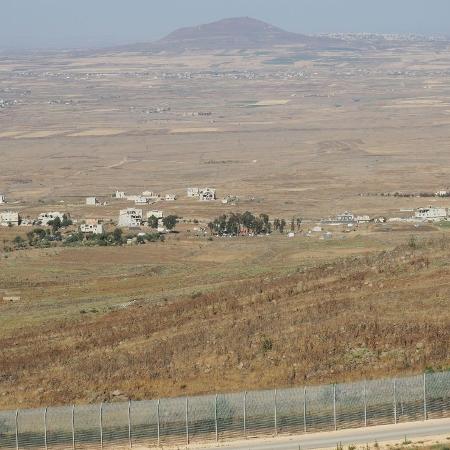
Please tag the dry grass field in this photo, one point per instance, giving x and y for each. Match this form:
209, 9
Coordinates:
350, 317
291, 134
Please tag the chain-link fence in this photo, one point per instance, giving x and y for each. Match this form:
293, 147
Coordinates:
214, 418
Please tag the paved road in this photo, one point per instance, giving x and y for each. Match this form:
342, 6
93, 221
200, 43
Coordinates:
360, 436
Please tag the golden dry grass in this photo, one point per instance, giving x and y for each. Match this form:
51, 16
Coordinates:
350, 318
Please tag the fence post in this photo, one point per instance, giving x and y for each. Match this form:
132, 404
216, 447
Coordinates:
425, 412
365, 403
215, 419
334, 407
158, 424
45, 428
395, 402
276, 413
245, 414
101, 425
73, 427
130, 439
17, 429
187, 420
304, 409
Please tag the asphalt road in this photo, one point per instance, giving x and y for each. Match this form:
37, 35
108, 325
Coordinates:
361, 436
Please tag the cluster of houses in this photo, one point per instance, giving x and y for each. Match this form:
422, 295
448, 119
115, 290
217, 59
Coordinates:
202, 194
145, 198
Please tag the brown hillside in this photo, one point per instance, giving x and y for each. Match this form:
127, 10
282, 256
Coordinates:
359, 317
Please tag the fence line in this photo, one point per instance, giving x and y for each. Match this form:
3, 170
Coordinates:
220, 417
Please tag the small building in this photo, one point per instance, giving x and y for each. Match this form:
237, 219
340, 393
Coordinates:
170, 197
193, 192
362, 219
9, 218
207, 195
132, 198
317, 229
130, 217
141, 200
432, 213
2, 199
120, 195
45, 218
150, 195
155, 213
345, 218
91, 226
442, 193
92, 201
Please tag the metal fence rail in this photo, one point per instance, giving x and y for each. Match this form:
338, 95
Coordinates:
214, 418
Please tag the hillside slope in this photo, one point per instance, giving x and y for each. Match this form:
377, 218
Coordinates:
357, 317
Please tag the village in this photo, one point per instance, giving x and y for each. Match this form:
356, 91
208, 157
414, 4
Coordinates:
148, 213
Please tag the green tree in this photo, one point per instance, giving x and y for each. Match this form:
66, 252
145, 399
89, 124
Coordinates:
282, 225
170, 222
153, 222
67, 221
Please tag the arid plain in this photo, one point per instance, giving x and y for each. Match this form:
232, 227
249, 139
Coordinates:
291, 132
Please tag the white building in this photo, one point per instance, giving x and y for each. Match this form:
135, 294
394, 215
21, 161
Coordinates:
9, 218
92, 226
120, 195
207, 195
92, 201
47, 217
156, 213
130, 217
150, 194
363, 219
346, 217
2, 199
431, 213
141, 200
193, 192
170, 197
442, 193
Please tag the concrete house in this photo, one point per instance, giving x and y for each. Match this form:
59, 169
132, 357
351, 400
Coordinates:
92, 201
47, 217
92, 226
141, 200
130, 217
150, 195
363, 219
207, 195
432, 213
156, 213
2, 199
345, 218
193, 192
120, 195
170, 197
9, 218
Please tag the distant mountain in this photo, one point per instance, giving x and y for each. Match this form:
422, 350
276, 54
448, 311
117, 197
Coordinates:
230, 34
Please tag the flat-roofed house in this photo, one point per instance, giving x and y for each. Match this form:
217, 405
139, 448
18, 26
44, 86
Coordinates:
45, 218
9, 218
130, 217
432, 213
155, 213
92, 201
193, 192
207, 195
91, 226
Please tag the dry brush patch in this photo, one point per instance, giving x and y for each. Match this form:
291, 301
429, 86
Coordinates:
356, 317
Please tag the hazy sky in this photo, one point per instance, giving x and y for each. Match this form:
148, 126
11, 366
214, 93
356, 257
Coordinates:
81, 23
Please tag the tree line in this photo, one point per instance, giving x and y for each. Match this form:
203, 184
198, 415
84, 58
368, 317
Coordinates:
235, 224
